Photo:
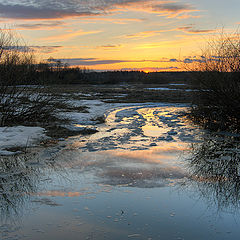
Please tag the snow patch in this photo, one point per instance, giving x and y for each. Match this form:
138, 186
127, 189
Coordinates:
19, 136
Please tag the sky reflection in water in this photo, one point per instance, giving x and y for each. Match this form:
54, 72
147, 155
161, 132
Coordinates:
117, 186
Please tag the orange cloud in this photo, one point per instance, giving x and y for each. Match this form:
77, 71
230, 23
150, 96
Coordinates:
144, 34
186, 29
187, 16
113, 20
110, 47
69, 35
190, 29
49, 25
169, 9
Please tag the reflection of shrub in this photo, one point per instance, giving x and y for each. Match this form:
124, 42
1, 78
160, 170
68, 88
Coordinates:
18, 179
218, 75
214, 166
17, 66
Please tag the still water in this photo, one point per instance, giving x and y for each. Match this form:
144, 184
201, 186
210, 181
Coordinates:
147, 174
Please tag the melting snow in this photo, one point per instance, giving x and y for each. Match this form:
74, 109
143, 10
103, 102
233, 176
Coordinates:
20, 136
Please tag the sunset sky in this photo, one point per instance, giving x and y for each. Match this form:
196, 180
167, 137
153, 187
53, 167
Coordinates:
119, 34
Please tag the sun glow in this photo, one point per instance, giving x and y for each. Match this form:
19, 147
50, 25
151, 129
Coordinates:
132, 36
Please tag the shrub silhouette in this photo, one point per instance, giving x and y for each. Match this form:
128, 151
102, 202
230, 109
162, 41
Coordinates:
21, 104
217, 73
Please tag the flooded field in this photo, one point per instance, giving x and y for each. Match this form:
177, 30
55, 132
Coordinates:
146, 174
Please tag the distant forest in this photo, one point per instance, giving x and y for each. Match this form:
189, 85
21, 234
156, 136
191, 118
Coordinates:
46, 74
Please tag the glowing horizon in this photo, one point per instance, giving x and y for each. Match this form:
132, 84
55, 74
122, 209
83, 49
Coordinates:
147, 35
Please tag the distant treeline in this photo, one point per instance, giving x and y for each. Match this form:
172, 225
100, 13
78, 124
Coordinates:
46, 74
83, 76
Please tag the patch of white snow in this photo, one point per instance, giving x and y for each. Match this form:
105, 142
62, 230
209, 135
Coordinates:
19, 136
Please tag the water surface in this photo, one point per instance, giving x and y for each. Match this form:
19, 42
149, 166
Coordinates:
147, 174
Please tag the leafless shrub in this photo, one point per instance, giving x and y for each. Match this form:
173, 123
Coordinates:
24, 103
217, 72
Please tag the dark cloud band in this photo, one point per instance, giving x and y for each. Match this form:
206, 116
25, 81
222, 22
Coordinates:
43, 9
